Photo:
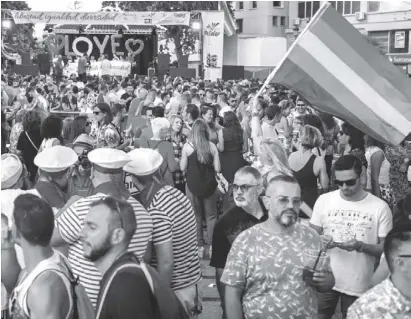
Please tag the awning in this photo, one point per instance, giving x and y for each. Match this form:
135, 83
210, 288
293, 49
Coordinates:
105, 29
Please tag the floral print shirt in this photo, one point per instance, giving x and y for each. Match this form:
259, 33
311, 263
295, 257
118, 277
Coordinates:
382, 301
269, 267
107, 135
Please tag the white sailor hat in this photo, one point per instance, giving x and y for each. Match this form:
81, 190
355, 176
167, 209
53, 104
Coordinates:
56, 159
109, 158
11, 170
144, 161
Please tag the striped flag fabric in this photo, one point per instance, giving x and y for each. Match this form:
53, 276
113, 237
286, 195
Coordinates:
338, 71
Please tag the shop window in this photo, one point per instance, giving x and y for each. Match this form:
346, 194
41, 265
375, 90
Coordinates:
254, 4
275, 21
240, 25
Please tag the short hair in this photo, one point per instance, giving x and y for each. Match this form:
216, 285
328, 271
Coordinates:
31, 121
158, 111
51, 127
310, 136
272, 111
34, 219
124, 214
193, 110
313, 120
164, 94
196, 97
105, 108
348, 162
395, 238
282, 178
186, 97
223, 97
249, 170
75, 89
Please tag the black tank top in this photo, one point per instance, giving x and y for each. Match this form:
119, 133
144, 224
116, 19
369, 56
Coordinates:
201, 180
308, 183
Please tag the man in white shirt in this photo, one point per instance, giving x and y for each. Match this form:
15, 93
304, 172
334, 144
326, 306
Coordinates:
358, 223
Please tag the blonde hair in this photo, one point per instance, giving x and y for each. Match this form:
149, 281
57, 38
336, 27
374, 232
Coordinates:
276, 153
310, 136
172, 120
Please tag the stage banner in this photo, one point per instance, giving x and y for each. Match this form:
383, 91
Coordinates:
118, 68
104, 17
338, 71
213, 44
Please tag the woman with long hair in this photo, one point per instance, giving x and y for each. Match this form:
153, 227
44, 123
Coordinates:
16, 130
378, 171
200, 159
209, 115
307, 167
106, 134
178, 139
81, 125
235, 145
352, 141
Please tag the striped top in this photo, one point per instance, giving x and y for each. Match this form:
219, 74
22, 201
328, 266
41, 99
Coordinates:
70, 223
174, 219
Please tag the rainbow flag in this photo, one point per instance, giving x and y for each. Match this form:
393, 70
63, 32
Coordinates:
338, 71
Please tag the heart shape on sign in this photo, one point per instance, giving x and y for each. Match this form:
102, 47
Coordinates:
134, 42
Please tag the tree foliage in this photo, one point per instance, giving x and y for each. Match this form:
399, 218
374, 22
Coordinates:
182, 36
20, 36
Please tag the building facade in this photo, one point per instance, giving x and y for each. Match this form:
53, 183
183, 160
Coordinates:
386, 23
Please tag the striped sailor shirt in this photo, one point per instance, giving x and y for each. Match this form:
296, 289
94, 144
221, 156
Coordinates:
173, 217
70, 223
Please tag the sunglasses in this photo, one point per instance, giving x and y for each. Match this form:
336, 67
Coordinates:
405, 256
300, 104
243, 188
350, 182
88, 123
296, 202
96, 112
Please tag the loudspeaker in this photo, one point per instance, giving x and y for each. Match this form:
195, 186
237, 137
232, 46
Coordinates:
185, 73
233, 72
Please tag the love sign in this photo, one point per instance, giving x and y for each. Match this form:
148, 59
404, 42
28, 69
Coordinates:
115, 44
132, 42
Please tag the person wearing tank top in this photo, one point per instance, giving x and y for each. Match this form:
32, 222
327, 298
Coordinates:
307, 167
43, 290
378, 171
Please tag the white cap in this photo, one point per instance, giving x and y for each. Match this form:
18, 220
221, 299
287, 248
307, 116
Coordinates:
109, 158
56, 159
144, 161
11, 169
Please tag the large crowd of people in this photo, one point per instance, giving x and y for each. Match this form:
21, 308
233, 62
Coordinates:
115, 189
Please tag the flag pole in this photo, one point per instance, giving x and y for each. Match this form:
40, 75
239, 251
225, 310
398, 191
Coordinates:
317, 15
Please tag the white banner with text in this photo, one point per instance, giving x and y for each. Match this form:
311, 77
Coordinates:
118, 68
213, 44
103, 17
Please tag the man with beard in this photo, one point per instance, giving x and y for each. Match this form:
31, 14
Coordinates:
108, 229
249, 211
264, 269
108, 179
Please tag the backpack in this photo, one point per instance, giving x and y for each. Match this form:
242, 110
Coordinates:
205, 173
168, 304
82, 306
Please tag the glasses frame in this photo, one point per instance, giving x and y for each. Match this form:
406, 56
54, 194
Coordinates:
341, 183
244, 187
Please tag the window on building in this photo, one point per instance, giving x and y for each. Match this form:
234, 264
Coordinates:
276, 4
306, 9
254, 4
275, 21
240, 25
346, 7
282, 21
241, 5
373, 6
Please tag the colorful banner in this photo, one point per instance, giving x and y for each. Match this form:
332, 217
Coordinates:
213, 44
104, 17
118, 68
337, 70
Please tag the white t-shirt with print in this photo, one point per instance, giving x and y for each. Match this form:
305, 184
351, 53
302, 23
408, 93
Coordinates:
365, 220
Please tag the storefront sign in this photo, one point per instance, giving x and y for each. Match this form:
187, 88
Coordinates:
399, 40
213, 44
102, 18
400, 58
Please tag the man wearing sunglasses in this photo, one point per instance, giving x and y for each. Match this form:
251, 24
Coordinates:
358, 223
249, 211
263, 273
392, 297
